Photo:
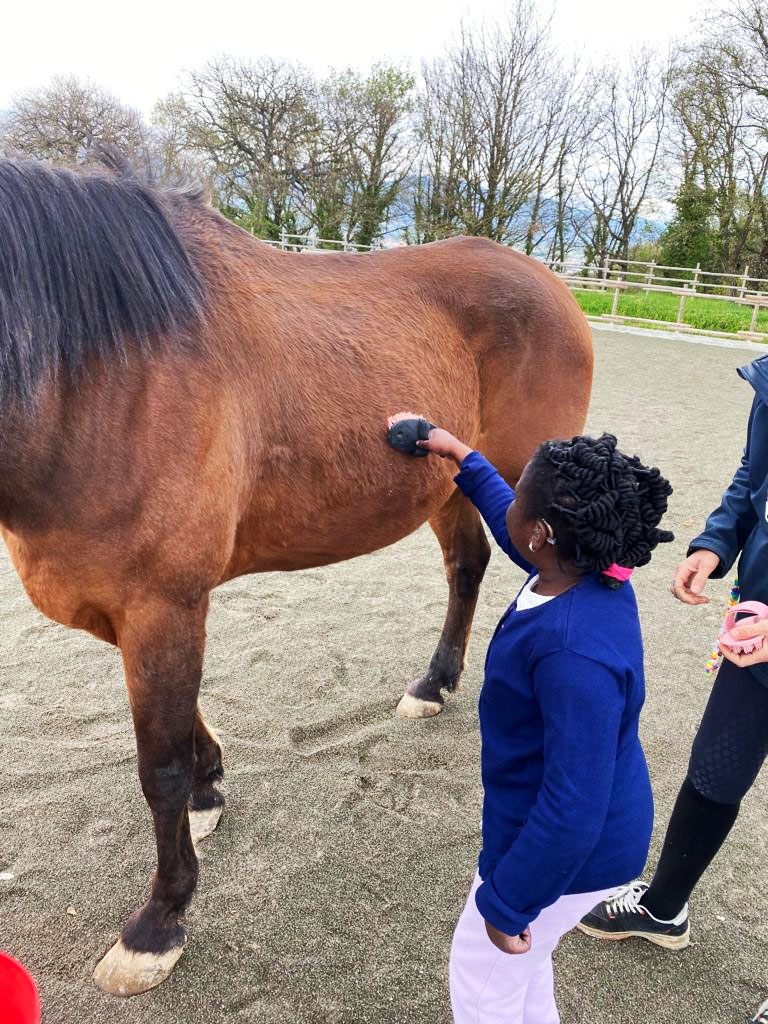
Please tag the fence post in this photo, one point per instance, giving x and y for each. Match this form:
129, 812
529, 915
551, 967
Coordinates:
696, 277
615, 305
753, 325
283, 246
649, 275
744, 280
681, 309
604, 272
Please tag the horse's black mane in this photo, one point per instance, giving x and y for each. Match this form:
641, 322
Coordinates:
89, 264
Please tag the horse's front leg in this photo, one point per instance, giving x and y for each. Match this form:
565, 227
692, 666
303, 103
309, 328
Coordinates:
162, 648
466, 553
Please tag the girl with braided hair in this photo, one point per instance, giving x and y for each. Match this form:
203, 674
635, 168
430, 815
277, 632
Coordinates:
567, 809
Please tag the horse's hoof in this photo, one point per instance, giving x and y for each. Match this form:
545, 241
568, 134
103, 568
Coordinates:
203, 823
124, 972
415, 707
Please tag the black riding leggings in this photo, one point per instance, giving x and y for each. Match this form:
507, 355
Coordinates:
728, 752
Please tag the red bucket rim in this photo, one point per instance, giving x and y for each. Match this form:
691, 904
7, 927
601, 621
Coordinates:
29, 1007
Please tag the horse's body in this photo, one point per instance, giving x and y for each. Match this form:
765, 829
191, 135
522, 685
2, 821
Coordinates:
245, 432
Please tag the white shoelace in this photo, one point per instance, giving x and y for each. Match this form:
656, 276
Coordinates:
626, 900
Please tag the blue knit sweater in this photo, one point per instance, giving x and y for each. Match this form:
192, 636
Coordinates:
567, 805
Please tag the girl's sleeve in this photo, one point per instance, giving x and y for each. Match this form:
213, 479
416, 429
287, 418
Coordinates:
582, 702
491, 494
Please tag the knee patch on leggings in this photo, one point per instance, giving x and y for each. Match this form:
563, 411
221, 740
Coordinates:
732, 741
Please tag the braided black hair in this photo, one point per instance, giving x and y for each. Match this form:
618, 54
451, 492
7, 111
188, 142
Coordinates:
603, 506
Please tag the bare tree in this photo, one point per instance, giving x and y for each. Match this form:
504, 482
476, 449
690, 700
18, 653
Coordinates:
254, 122
370, 116
172, 160
571, 157
566, 116
742, 33
436, 205
741, 36
362, 152
487, 133
500, 74
323, 189
720, 138
63, 121
625, 146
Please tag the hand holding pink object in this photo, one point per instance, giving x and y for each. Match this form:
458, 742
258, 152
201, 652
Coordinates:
747, 636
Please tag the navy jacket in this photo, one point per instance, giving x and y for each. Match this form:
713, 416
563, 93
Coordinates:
740, 523
567, 804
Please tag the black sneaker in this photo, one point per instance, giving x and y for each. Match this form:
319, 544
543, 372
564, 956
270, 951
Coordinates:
622, 916
761, 1017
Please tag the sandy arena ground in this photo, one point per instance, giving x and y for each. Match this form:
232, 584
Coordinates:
330, 891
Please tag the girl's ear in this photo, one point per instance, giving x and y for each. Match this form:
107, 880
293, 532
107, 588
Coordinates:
537, 538
542, 534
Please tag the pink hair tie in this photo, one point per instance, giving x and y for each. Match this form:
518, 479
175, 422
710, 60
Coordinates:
618, 572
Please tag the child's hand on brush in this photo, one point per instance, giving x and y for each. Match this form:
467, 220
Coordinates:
437, 442
443, 443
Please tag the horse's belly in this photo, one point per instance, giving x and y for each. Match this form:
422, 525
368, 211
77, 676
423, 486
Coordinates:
301, 533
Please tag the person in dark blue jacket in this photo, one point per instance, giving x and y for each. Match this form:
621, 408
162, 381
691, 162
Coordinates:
732, 740
567, 809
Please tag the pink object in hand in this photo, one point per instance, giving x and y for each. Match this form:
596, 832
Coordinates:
743, 645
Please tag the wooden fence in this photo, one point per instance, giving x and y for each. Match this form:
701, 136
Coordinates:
703, 282
619, 276
311, 243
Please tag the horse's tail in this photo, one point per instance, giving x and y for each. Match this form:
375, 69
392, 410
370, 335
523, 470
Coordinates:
89, 264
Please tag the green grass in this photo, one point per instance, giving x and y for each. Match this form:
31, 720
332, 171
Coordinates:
706, 314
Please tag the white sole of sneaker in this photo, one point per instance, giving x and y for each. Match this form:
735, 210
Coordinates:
665, 941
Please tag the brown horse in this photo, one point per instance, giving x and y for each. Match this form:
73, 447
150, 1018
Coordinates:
182, 404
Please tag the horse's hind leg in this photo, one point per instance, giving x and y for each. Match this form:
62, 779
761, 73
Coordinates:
162, 648
206, 801
466, 552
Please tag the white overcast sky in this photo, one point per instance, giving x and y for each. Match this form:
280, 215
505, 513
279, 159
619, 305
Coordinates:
138, 48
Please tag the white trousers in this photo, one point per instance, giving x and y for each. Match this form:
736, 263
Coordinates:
491, 987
